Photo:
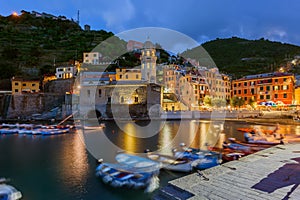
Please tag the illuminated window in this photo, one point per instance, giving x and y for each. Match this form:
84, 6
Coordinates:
285, 87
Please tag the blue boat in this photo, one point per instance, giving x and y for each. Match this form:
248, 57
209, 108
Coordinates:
8, 192
138, 162
118, 175
202, 159
54, 131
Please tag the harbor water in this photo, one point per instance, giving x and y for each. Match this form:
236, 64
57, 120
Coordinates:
63, 166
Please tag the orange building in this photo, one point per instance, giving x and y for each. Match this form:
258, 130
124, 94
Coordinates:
265, 87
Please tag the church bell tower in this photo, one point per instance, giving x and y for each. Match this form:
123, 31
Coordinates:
148, 62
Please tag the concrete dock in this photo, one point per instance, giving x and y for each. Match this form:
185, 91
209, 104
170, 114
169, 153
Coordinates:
271, 174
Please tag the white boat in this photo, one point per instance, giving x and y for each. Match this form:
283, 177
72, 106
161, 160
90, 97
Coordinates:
138, 162
8, 192
171, 163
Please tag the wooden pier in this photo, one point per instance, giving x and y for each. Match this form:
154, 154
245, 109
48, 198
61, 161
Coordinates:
270, 174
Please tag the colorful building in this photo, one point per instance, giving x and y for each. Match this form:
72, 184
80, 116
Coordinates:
276, 87
123, 74
297, 95
20, 85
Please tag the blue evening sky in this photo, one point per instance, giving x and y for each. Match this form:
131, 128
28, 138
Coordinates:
202, 20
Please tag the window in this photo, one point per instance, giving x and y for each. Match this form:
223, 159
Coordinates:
86, 55
234, 85
240, 91
245, 98
252, 91
268, 88
276, 96
261, 97
16, 83
137, 76
99, 92
285, 87
88, 93
276, 80
120, 76
126, 76
275, 87
33, 91
261, 88
122, 99
245, 83
239, 84
33, 84
16, 90
24, 84
234, 91
95, 55
285, 95
267, 96
284, 79
245, 91
136, 99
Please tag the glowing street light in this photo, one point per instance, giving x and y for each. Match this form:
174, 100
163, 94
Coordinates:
15, 14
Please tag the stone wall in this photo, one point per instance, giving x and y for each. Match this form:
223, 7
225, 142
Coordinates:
60, 86
24, 105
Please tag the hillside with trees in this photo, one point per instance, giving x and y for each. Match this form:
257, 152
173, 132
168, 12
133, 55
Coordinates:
239, 57
30, 44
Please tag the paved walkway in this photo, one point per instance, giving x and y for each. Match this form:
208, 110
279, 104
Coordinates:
271, 174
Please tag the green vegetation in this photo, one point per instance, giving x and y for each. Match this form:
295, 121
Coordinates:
237, 101
239, 57
27, 41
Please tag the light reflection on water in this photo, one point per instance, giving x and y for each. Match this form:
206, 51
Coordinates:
60, 167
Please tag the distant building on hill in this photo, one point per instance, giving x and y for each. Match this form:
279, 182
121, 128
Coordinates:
65, 72
87, 27
93, 58
134, 45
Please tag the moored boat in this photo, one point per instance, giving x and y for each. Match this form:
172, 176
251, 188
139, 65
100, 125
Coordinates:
172, 163
138, 162
8, 192
258, 143
203, 159
118, 175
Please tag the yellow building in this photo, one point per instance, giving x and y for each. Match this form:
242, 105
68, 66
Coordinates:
123, 74
20, 85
